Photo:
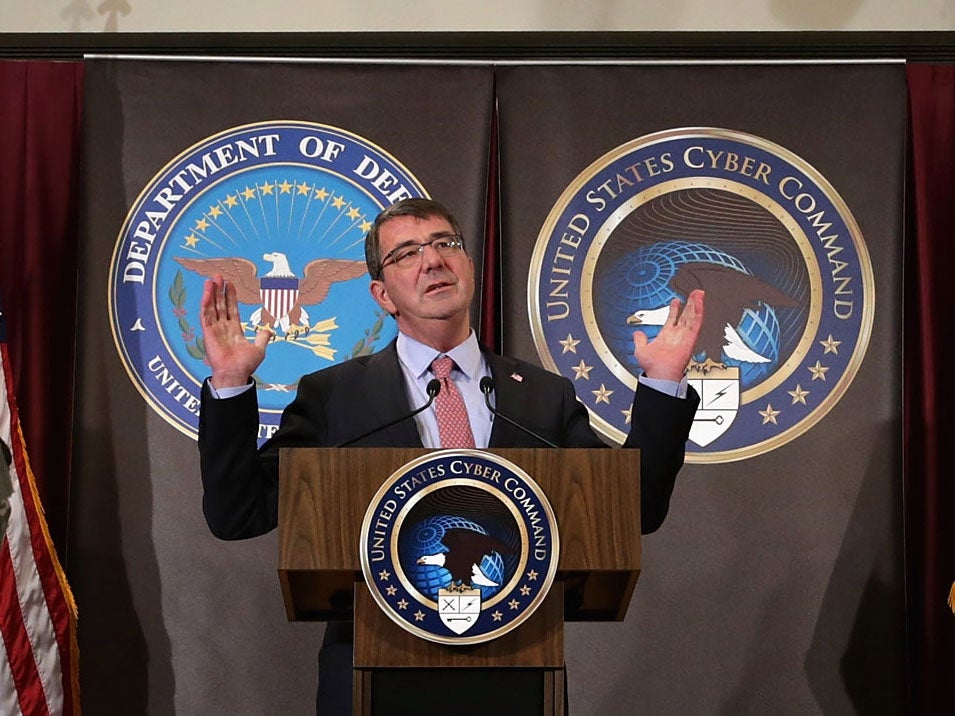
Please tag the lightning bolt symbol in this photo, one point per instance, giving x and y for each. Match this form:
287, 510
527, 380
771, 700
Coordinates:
718, 396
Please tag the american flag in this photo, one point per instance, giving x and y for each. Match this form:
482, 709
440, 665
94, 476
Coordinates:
39, 657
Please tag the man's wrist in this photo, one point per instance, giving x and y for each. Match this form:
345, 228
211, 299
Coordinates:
228, 391
222, 381
674, 388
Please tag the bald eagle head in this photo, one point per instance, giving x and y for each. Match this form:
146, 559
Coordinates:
280, 265
434, 559
649, 317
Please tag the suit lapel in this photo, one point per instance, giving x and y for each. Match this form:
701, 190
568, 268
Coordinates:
509, 399
384, 390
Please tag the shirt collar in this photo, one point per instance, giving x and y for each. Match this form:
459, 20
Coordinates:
417, 357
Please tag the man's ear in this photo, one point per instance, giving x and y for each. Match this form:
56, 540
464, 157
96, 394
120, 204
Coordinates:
380, 294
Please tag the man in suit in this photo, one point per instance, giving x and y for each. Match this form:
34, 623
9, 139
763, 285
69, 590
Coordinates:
422, 276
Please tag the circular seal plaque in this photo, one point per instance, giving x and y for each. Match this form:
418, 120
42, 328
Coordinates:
459, 546
280, 209
789, 285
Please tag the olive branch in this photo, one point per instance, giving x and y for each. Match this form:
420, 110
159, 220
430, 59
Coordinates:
366, 345
177, 296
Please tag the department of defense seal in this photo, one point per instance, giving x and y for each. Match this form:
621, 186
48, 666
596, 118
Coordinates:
459, 546
789, 285
280, 209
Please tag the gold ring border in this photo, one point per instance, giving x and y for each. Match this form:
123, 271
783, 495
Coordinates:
865, 269
139, 383
441, 454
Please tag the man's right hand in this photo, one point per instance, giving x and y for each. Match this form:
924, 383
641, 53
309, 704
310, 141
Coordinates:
232, 357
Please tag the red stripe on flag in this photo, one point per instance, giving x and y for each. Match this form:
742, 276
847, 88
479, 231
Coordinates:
23, 666
42, 554
37, 614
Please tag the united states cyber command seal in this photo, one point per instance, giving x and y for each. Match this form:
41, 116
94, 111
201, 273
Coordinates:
789, 285
280, 209
459, 547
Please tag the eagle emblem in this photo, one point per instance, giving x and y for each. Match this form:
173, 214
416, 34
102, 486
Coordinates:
465, 552
279, 295
728, 293
459, 605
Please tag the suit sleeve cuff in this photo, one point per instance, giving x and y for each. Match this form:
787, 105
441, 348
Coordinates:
230, 392
673, 388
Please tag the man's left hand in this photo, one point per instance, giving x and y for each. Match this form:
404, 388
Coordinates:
667, 356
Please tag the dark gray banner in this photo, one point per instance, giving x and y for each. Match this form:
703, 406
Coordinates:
192, 165
776, 584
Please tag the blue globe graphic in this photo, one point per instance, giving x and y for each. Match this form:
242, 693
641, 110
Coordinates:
640, 281
424, 538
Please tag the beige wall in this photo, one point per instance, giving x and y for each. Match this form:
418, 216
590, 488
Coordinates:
458, 15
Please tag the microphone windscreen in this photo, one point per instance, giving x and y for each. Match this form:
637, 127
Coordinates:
487, 385
434, 387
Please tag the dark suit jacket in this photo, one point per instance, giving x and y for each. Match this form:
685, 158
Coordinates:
335, 405
240, 483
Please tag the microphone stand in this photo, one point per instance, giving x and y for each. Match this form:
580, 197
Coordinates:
434, 387
487, 387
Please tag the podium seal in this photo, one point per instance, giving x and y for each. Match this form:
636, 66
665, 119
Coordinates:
459, 546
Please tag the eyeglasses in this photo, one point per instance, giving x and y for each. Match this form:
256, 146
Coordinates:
409, 255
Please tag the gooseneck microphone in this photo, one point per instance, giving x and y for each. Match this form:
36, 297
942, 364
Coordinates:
487, 387
433, 388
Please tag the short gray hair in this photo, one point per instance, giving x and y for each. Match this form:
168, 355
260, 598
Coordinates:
418, 208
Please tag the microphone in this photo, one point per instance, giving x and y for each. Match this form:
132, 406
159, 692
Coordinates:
434, 387
487, 387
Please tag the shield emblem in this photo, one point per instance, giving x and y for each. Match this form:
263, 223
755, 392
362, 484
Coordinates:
459, 609
279, 295
719, 404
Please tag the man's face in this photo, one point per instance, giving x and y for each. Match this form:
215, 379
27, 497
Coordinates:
437, 290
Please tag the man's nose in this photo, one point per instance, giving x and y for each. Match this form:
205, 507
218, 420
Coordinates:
430, 258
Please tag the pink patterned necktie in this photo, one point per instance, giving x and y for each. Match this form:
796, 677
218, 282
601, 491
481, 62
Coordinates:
454, 428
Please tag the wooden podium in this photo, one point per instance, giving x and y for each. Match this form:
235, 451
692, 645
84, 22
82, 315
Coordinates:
323, 496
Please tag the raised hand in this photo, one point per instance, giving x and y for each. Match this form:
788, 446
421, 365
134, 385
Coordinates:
232, 357
667, 356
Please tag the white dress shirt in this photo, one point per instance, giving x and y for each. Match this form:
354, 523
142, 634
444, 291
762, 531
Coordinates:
416, 358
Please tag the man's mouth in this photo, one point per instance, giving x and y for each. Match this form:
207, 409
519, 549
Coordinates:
438, 286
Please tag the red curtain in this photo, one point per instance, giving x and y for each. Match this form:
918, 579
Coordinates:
40, 105
929, 392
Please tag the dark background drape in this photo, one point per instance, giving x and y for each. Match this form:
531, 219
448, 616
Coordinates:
489, 328
40, 106
929, 470
39, 130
